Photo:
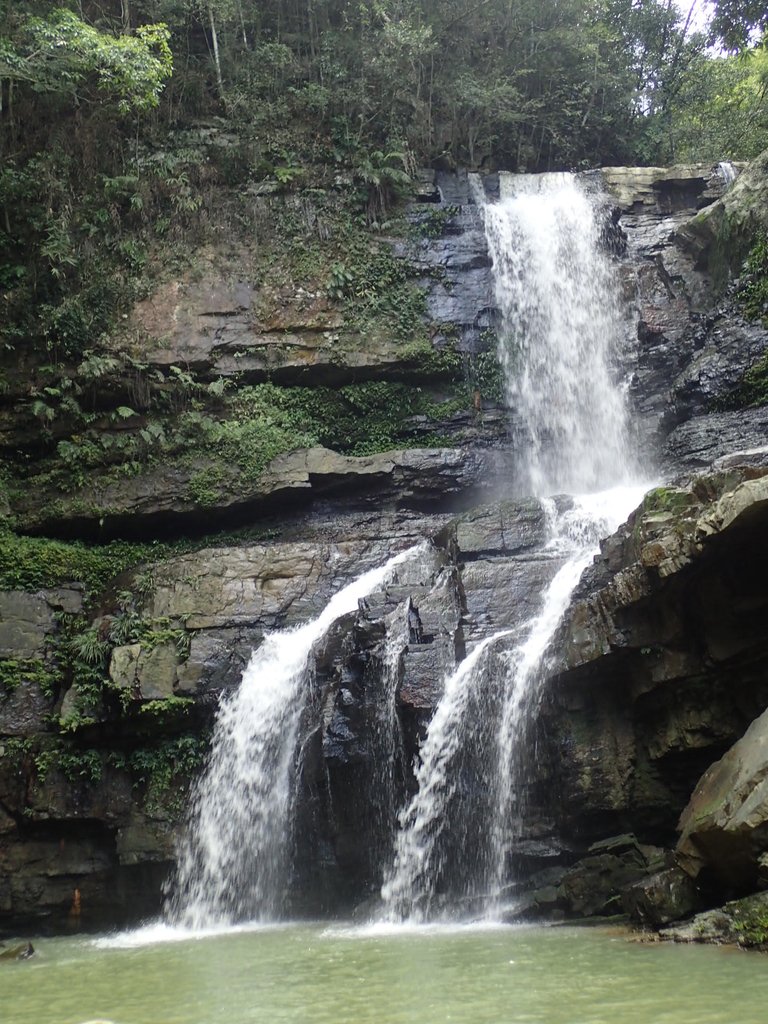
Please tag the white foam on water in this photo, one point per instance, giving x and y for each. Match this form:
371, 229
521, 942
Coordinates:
161, 933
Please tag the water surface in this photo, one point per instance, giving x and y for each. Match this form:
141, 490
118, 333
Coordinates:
311, 974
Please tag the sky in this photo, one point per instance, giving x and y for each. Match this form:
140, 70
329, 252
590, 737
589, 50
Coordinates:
701, 13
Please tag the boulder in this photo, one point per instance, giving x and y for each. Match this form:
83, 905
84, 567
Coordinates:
145, 674
507, 528
666, 896
720, 236
24, 710
596, 883
25, 621
724, 828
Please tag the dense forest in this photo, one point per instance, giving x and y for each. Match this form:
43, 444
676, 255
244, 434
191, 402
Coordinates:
105, 106
372, 88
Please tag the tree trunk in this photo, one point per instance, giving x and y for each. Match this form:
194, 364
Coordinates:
216, 57
242, 24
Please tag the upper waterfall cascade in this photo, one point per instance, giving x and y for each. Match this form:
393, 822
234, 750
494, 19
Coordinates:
560, 328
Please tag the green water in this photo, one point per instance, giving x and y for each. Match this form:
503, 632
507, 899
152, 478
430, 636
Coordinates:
313, 975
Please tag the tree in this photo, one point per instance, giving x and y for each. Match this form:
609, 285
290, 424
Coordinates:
61, 54
737, 23
721, 111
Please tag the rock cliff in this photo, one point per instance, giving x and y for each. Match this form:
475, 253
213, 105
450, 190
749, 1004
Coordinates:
324, 432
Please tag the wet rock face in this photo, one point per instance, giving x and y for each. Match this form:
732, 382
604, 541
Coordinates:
659, 675
482, 572
688, 359
160, 499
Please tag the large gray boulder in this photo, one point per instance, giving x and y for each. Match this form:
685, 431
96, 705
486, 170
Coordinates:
724, 828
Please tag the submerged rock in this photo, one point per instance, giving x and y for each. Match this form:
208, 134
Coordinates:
21, 951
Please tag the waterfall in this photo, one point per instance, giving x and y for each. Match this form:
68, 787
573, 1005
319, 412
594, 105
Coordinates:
420, 858
727, 172
578, 532
385, 745
453, 844
235, 861
559, 329
560, 325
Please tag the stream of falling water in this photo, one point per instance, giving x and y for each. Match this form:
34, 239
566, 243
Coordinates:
559, 330
560, 325
496, 682
234, 863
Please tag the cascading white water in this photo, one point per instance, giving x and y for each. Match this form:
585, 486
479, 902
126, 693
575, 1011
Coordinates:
235, 861
498, 678
560, 326
727, 172
409, 889
386, 750
577, 534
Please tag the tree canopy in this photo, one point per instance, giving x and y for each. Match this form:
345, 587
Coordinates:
91, 92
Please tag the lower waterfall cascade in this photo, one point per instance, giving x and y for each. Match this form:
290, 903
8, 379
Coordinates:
447, 850
496, 683
234, 863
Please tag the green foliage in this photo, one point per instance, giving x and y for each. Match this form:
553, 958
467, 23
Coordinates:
158, 766
15, 671
736, 22
229, 449
161, 771
432, 224
74, 764
485, 375
667, 499
750, 920
357, 419
165, 769
753, 389
168, 707
721, 110
753, 289
63, 54
31, 563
